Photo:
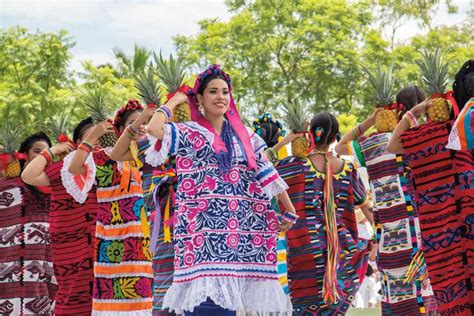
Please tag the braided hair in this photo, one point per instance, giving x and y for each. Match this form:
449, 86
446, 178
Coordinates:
463, 86
326, 125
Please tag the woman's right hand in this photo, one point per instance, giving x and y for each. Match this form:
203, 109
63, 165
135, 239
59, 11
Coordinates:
177, 99
100, 129
143, 118
60, 148
290, 137
420, 109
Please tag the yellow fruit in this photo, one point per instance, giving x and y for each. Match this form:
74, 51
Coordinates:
13, 169
386, 121
299, 147
181, 113
439, 110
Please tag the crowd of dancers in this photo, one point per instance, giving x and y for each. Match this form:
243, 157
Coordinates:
209, 217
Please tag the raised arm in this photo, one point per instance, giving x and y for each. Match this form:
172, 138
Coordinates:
34, 174
77, 163
355, 133
161, 116
121, 150
395, 144
286, 140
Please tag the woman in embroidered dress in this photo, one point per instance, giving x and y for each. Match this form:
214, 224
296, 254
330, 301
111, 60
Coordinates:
26, 269
444, 194
122, 267
225, 231
131, 146
324, 260
72, 226
406, 291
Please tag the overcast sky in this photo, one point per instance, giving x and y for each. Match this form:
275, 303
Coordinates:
98, 26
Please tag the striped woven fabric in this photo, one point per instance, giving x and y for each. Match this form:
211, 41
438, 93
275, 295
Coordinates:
444, 193
307, 241
397, 228
27, 283
72, 231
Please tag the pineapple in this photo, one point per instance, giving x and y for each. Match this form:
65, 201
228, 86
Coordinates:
148, 87
171, 73
58, 127
94, 100
382, 85
435, 76
10, 140
296, 116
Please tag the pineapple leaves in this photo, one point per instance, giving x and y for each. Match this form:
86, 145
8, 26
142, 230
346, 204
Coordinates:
381, 83
171, 71
95, 100
296, 115
434, 73
148, 87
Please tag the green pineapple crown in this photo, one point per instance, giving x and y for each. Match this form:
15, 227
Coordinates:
9, 137
434, 73
57, 125
95, 101
296, 115
382, 85
148, 87
170, 71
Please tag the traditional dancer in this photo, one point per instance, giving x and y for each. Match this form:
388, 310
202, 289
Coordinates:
444, 194
72, 219
26, 268
122, 267
225, 231
406, 286
324, 261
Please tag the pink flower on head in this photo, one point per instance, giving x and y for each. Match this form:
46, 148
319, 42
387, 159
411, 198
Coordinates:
233, 240
198, 240
233, 176
270, 243
257, 240
233, 205
232, 224
259, 207
184, 163
189, 259
271, 257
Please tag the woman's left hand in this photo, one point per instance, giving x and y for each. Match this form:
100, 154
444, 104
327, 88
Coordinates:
285, 226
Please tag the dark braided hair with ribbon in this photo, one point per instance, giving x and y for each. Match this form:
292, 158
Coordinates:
463, 86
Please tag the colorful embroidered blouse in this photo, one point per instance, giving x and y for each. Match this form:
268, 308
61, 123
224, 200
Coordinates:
225, 231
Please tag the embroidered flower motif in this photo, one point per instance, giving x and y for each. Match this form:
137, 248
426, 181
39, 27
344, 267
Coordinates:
270, 243
115, 251
233, 224
233, 176
271, 257
257, 240
233, 240
259, 207
254, 188
189, 259
118, 293
146, 249
197, 140
188, 186
143, 287
209, 183
198, 240
184, 163
177, 262
191, 227
128, 287
233, 205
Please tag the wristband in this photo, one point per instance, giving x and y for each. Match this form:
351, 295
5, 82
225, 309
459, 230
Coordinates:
166, 111
85, 146
410, 117
46, 154
271, 153
290, 217
53, 156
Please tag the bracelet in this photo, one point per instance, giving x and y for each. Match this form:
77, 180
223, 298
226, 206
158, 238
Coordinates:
271, 154
290, 217
410, 117
165, 110
131, 132
85, 146
53, 156
354, 133
47, 156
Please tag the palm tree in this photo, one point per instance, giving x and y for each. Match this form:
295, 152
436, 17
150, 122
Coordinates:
130, 66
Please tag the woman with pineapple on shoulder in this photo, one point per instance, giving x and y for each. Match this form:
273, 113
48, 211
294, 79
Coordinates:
122, 267
406, 291
72, 223
443, 181
324, 260
225, 231
26, 268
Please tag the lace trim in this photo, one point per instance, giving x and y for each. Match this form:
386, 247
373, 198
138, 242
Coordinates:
78, 186
238, 294
276, 187
157, 158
